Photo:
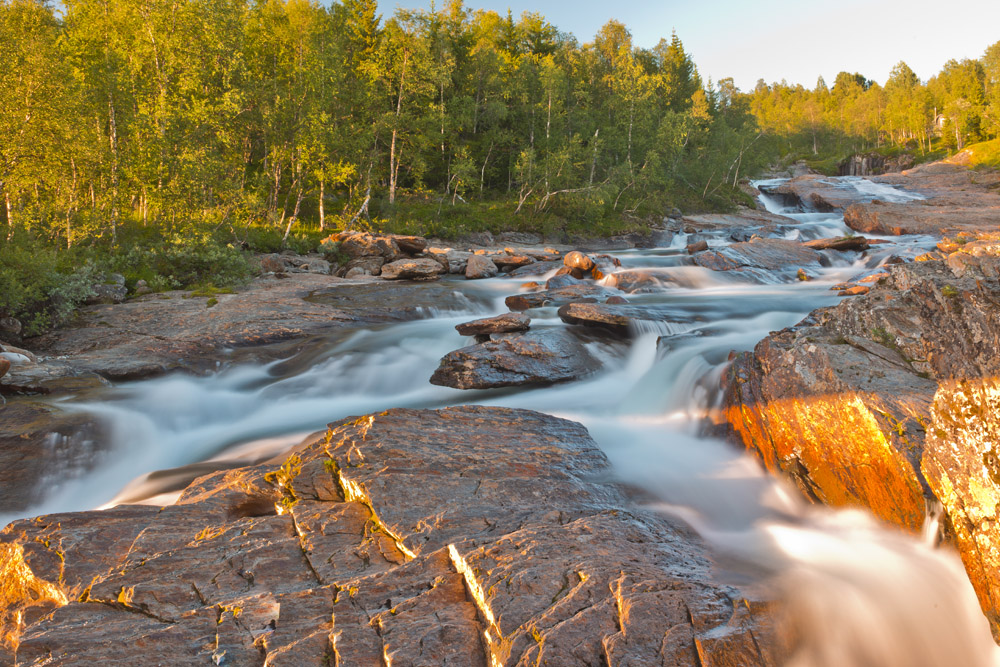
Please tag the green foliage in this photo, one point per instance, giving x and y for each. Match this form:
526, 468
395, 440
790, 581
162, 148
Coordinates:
40, 286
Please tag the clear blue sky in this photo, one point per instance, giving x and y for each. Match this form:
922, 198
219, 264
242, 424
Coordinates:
796, 40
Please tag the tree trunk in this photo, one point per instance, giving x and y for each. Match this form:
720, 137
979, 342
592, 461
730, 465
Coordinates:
593, 161
322, 211
295, 215
113, 140
393, 155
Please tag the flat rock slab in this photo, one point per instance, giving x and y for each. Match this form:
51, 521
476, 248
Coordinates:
466, 536
843, 243
506, 323
537, 357
413, 269
620, 319
759, 253
558, 296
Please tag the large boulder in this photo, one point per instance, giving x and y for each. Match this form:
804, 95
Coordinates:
368, 266
365, 244
412, 269
468, 536
886, 401
538, 357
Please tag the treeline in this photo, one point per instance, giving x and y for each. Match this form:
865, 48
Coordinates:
957, 107
287, 112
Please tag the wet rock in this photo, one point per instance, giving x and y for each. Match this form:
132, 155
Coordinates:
818, 193
538, 357
572, 272
603, 266
637, 281
479, 267
539, 268
853, 290
620, 319
698, 246
562, 280
855, 243
861, 400
4, 367
578, 260
557, 296
759, 253
466, 536
506, 323
616, 300
412, 269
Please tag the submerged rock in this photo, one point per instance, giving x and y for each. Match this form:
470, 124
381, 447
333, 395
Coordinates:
542, 356
467, 536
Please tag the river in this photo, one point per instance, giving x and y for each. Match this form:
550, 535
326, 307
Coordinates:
857, 592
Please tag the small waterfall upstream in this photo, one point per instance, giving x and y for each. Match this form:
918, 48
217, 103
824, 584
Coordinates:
856, 592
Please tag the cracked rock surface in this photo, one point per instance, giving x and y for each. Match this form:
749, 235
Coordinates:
463, 536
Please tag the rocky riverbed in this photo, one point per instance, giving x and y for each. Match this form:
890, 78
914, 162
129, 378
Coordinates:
488, 533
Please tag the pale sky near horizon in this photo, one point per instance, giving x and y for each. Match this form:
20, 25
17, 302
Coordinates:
795, 40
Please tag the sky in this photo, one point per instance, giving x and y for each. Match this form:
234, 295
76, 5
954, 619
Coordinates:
794, 40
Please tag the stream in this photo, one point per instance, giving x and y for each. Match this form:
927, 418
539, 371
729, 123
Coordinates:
857, 592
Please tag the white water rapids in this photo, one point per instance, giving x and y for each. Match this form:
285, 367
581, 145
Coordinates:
857, 593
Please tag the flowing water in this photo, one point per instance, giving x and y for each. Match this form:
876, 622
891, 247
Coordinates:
857, 593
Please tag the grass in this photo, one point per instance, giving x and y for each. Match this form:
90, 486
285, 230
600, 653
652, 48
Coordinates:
982, 155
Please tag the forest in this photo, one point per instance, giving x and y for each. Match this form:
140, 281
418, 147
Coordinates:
167, 139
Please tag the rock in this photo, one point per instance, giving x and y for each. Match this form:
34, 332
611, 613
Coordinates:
24, 356
698, 246
616, 300
355, 273
803, 276
107, 293
577, 260
561, 280
853, 290
637, 281
531, 286
272, 263
817, 192
479, 239
4, 366
877, 402
620, 319
603, 266
365, 244
506, 323
10, 329
411, 245
316, 265
467, 536
759, 253
480, 266
557, 296
526, 238
412, 269
855, 243
142, 288
367, 266
538, 357
873, 164
572, 272
509, 262
539, 268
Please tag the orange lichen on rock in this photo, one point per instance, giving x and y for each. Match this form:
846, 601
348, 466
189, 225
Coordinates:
20, 591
